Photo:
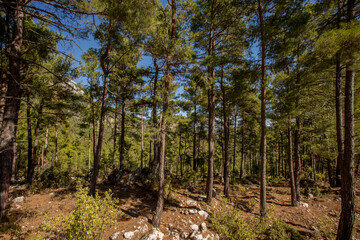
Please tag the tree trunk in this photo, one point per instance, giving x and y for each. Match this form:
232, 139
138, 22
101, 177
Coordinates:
263, 118
313, 160
104, 57
94, 125
180, 157
89, 148
36, 143
30, 165
234, 147
347, 216
242, 146
46, 144
155, 162
142, 139
297, 159
195, 165
226, 136
290, 163
56, 140
12, 105
211, 110
115, 132
168, 80
122, 133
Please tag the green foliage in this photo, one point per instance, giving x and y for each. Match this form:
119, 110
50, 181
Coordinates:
327, 228
230, 223
90, 218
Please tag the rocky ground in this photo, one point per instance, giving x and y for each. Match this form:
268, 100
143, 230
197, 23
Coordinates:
186, 216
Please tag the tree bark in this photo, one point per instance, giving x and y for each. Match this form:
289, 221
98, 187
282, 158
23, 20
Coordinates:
211, 110
263, 117
226, 136
30, 165
46, 145
290, 163
115, 132
104, 58
56, 140
155, 162
122, 133
12, 104
89, 148
242, 146
195, 154
142, 139
347, 216
36, 143
297, 159
234, 147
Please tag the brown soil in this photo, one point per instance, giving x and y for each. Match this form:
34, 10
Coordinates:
138, 204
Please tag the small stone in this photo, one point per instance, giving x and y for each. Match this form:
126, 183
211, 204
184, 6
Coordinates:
153, 235
203, 227
115, 236
190, 202
194, 227
310, 195
129, 235
203, 214
196, 236
184, 235
217, 236
175, 237
304, 204
193, 211
18, 199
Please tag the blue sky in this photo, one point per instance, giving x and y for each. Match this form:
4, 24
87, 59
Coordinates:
79, 46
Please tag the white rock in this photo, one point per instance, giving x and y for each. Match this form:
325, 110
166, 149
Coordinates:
194, 227
203, 213
129, 235
310, 195
115, 235
193, 211
191, 202
18, 199
175, 237
196, 236
184, 235
217, 236
304, 204
153, 235
203, 226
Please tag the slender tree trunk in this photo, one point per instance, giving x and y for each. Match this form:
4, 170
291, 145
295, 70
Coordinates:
211, 110
226, 136
13, 169
115, 132
290, 163
234, 147
180, 157
89, 148
142, 139
104, 61
46, 145
122, 133
242, 146
195, 166
168, 80
313, 160
36, 142
94, 125
155, 162
30, 165
56, 140
12, 104
3, 84
263, 117
297, 159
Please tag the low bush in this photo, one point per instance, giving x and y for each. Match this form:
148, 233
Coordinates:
90, 218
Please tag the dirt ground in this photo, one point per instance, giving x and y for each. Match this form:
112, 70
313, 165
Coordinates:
311, 218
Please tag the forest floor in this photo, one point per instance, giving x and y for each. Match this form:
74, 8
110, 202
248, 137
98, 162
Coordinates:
314, 218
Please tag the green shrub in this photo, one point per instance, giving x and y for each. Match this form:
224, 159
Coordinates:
231, 223
90, 218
